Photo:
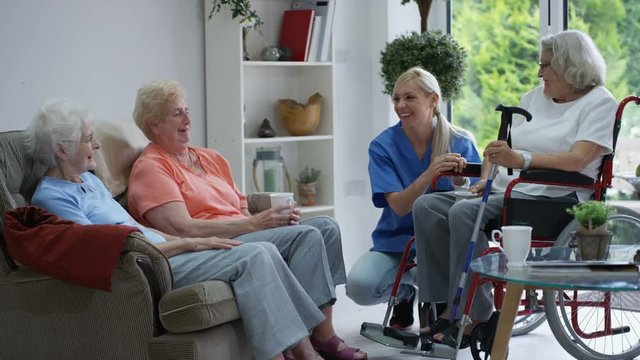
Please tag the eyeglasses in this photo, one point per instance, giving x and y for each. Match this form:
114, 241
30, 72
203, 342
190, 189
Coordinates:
89, 140
543, 65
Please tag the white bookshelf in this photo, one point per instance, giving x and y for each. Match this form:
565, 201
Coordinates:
240, 94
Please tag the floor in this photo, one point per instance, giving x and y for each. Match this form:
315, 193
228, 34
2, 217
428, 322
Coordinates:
539, 344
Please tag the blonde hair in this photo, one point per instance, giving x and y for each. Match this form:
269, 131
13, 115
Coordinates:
151, 102
440, 140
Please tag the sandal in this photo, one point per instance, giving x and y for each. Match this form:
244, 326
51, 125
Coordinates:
450, 337
437, 326
329, 349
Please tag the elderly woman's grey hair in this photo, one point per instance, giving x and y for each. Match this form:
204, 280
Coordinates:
152, 100
577, 58
58, 122
440, 140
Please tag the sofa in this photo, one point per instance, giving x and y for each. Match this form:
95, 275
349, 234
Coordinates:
142, 317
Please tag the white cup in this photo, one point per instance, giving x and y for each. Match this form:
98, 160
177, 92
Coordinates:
280, 199
516, 243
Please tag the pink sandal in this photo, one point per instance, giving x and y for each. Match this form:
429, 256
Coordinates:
329, 349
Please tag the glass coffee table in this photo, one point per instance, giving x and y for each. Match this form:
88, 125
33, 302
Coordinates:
613, 283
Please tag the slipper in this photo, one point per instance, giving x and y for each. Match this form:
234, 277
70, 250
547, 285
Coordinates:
329, 349
437, 326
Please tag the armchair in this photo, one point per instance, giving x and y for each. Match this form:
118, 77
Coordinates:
141, 318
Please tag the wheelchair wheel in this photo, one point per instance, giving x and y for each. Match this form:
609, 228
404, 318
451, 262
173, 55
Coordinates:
601, 325
525, 324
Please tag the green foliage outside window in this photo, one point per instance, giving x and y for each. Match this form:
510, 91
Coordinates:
503, 60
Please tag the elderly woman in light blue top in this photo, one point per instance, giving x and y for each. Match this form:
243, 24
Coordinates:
276, 311
403, 161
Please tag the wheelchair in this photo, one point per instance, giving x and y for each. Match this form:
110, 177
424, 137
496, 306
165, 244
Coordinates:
598, 325
587, 324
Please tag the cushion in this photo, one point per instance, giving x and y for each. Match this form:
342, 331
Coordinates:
121, 144
198, 306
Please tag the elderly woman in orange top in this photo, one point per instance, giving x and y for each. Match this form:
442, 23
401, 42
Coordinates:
185, 190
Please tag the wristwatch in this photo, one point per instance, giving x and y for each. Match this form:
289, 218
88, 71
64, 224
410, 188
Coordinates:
526, 156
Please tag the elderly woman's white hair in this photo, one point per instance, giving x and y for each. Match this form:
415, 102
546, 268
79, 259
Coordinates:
58, 122
577, 58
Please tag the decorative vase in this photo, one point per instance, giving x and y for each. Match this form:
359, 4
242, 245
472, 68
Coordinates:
270, 53
307, 194
592, 246
245, 50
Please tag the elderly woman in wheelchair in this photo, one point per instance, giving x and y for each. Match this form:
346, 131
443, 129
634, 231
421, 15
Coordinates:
571, 130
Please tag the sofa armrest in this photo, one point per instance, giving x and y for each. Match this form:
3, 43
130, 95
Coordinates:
159, 265
198, 306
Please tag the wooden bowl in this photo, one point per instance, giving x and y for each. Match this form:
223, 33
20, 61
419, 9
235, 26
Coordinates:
301, 119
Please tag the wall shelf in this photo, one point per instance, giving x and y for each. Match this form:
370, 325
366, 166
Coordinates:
240, 94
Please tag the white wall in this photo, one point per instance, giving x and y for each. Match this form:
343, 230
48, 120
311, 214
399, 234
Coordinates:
99, 53
362, 110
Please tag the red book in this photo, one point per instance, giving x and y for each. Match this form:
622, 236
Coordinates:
295, 33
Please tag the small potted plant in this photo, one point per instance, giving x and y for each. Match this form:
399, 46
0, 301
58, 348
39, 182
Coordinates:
246, 16
307, 186
592, 235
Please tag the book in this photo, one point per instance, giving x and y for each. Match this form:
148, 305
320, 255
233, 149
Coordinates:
315, 44
326, 9
295, 32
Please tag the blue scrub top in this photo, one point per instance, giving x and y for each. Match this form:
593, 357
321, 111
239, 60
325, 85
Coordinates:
393, 166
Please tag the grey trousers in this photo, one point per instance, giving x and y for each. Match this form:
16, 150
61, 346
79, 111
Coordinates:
276, 311
313, 252
443, 230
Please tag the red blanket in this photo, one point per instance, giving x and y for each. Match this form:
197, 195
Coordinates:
85, 255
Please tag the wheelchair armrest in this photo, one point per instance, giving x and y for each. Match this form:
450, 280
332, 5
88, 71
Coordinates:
566, 178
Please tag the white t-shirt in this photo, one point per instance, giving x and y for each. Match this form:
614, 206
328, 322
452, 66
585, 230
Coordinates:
554, 128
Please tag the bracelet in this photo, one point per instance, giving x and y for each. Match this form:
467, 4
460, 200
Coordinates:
526, 156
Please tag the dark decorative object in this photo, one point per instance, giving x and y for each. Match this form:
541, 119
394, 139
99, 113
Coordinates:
285, 54
265, 130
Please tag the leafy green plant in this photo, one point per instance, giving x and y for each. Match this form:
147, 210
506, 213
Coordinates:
240, 9
434, 51
592, 214
308, 175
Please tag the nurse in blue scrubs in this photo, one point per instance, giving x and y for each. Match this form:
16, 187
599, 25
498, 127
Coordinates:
403, 161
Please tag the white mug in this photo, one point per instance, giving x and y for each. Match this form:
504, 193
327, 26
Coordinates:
282, 198
516, 243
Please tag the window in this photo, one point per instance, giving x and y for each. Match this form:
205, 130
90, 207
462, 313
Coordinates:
502, 62
615, 27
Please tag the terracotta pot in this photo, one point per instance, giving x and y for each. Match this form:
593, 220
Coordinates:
307, 194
